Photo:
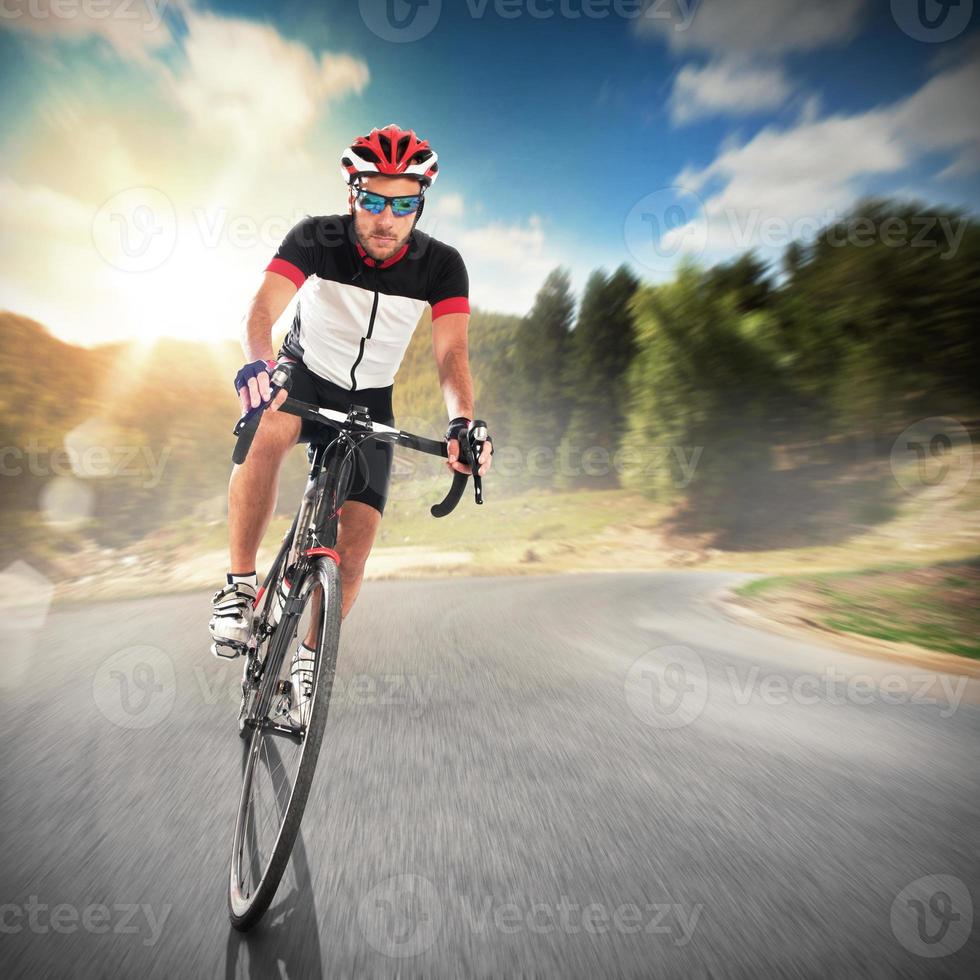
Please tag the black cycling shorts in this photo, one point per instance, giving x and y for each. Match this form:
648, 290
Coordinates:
372, 465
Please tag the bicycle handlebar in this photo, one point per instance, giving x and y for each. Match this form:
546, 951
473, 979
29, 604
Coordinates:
248, 425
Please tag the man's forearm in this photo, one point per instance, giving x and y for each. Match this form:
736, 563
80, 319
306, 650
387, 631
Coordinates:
456, 383
257, 334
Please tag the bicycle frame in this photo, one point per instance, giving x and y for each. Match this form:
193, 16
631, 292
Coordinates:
358, 422
313, 533
268, 707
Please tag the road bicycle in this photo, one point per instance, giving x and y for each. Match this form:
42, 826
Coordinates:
301, 596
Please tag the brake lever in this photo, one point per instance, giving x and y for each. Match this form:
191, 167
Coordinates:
279, 379
248, 424
477, 437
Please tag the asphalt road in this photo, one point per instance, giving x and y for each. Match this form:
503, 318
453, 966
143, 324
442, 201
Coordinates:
579, 776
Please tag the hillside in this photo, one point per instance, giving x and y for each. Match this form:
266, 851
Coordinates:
149, 428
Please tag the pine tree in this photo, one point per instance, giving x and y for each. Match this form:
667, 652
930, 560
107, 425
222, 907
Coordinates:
600, 350
537, 387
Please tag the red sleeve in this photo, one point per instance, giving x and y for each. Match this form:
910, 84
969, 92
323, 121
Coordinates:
454, 304
450, 288
296, 276
299, 252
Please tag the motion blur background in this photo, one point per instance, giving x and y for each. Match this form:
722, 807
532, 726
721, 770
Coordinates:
725, 267
724, 259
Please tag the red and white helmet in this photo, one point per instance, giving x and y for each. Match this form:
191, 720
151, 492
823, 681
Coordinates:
390, 151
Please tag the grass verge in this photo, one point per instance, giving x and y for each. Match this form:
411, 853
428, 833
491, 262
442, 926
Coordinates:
933, 606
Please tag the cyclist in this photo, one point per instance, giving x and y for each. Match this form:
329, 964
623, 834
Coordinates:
366, 278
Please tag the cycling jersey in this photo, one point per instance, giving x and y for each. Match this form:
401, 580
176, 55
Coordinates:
356, 316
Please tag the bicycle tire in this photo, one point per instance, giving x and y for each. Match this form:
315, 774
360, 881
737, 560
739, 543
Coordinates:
246, 910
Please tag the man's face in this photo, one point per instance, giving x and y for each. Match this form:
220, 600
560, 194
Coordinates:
381, 235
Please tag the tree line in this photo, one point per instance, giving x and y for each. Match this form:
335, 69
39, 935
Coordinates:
684, 391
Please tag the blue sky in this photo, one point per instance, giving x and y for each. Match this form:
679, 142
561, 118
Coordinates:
576, 140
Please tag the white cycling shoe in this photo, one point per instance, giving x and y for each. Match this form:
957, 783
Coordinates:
301, 678
232, 611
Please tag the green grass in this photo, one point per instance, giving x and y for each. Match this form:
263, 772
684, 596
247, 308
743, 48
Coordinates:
931, 606
933, 637
525, 519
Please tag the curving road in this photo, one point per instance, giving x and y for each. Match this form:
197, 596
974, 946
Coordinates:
578, 776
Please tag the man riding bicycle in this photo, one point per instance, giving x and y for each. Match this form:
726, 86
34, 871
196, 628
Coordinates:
368, 276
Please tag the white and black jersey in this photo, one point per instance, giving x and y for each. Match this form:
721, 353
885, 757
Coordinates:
355, 316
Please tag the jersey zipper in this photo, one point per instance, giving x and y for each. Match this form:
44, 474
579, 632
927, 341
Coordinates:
364, 339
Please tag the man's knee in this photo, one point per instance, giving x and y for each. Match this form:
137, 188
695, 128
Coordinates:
352, 559
358, 527
276, 435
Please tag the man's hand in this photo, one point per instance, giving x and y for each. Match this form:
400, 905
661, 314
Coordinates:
453, 463
252, 385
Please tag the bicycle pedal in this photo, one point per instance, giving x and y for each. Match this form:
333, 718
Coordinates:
228, 650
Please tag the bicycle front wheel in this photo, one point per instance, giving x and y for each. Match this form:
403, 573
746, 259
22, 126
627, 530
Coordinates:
281, 755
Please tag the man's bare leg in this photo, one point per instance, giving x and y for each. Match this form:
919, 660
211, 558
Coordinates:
358, 526
254, 486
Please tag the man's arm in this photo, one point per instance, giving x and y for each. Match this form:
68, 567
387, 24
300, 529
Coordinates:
449, 344
267, 305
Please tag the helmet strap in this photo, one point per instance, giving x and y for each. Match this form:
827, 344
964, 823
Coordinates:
418, 214
352, 188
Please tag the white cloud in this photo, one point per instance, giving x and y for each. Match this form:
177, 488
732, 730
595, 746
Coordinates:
245, 81
446, 205
793, 179
764, 26
727, 86
234, 78
939, 117
134, 29
507, 263
241, 88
